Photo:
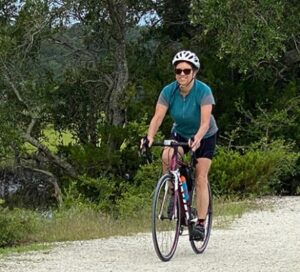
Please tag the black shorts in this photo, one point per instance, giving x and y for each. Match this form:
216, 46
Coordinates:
206, 149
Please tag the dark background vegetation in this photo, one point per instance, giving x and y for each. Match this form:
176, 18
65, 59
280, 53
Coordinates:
91, 71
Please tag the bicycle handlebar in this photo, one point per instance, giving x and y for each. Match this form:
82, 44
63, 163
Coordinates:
171, 143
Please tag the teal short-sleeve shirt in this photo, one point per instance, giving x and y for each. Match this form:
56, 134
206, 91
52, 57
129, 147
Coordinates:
186, 111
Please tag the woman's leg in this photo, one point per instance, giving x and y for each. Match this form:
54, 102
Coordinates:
167, 156
202, 197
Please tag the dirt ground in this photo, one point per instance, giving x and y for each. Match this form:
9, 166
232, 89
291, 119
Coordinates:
267, 240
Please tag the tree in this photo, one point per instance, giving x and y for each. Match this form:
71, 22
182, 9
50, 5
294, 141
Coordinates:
260, 37
85, 42
99, 67
23, 82
174, 18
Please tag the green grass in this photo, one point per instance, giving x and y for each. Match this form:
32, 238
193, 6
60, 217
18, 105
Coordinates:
86, 223
52, 138
77, 224
24, 248
226, 211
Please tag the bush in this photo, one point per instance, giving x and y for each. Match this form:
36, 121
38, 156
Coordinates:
16, 226
136, 201
134, 205
259, 171
147, 176
98, 192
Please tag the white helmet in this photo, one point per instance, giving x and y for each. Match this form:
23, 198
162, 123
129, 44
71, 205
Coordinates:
187, 56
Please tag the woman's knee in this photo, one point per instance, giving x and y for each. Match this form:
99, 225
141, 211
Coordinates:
166, 156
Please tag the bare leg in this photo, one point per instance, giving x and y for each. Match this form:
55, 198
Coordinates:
202, 201
166, 157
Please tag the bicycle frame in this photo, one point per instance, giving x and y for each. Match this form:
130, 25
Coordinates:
174, 171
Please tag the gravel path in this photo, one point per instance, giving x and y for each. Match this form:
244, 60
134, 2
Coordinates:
259, 241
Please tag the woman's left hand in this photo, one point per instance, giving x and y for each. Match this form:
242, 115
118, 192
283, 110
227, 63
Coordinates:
194, 143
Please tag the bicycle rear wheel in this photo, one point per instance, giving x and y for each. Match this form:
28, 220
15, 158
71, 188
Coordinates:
200, 246
165, 218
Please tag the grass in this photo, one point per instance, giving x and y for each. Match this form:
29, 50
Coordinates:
52, 138
228, 210
86, 223
76, 224
24, 248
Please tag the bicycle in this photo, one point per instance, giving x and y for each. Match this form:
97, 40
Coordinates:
173, 209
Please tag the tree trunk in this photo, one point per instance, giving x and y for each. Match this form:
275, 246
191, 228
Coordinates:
116, 112
117, 98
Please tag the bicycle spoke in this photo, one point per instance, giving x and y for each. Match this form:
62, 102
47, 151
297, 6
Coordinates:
165, 224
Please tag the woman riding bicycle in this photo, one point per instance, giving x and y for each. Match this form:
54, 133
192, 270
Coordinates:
189, 102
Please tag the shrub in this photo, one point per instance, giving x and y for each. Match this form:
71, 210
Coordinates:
147, 176
16, 226
136, 201
98, 192
260, 170
134, 205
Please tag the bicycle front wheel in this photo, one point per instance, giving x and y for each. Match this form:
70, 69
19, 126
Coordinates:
200, 246
165, 218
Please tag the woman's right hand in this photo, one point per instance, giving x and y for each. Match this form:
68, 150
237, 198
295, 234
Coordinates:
146, 142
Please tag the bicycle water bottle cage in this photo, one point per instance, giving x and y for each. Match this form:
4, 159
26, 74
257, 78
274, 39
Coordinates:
186, 171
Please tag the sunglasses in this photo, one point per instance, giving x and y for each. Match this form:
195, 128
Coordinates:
185, 71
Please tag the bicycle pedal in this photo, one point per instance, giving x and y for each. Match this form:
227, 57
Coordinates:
181, 232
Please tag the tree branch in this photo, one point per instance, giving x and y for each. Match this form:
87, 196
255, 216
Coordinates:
53, 180
12, 85
58, 161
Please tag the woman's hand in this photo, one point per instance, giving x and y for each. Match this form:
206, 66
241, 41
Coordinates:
194, 143
146, 142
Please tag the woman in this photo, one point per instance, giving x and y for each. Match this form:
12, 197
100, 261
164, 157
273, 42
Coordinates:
189, 102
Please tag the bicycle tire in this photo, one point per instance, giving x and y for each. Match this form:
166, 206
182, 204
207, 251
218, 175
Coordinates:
165, 224
200, 246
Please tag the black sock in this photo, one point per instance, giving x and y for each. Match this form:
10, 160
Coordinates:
201, 222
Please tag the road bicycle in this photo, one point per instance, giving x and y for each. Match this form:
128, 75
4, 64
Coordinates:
173, 209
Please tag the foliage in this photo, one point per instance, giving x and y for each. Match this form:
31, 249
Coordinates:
251, 33
137, 198
8, 132
89, 159
53, 138
60, 66
133, 205
259, 170
88, 223
269, 120
99, 193
147, 176
120, 197
16, 226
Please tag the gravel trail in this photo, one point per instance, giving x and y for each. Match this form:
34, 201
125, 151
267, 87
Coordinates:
267, 240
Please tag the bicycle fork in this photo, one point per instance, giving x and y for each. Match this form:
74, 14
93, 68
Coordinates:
167, 190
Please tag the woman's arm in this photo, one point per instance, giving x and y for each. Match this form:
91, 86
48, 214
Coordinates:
204, 125
159, 115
